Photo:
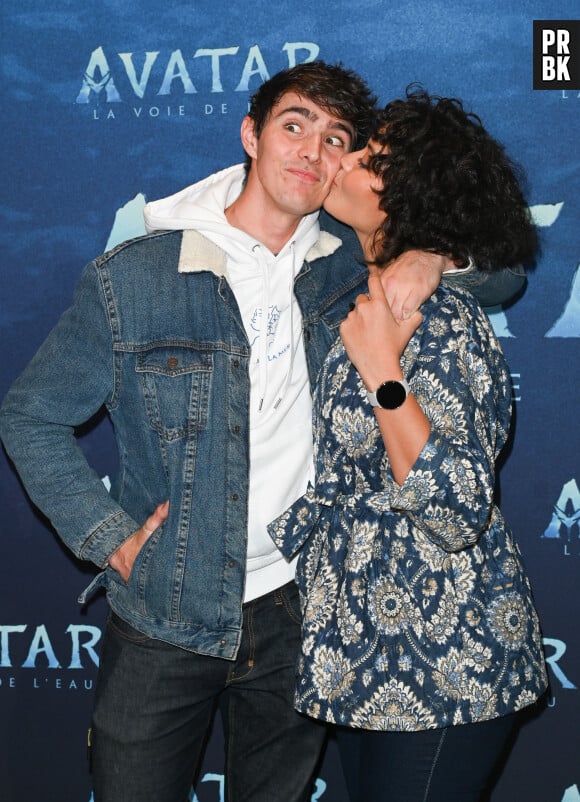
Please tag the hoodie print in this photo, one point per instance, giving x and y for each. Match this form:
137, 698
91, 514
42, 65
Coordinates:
271, 329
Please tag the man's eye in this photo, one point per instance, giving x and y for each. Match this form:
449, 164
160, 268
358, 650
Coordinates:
294, 127
336, 141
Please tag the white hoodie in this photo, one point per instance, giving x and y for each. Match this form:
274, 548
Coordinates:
280, 401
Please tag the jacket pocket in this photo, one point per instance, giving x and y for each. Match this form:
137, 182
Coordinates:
176, 383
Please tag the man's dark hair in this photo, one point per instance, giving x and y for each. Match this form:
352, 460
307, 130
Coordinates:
339, 91
448, 186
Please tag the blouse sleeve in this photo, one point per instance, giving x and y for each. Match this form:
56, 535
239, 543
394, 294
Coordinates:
458, 375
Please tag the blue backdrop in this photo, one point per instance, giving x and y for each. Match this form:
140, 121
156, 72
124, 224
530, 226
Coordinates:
109, 104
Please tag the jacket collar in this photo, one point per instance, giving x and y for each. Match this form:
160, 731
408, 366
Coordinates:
198, 253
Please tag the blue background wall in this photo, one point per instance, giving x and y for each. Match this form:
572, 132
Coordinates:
83, 147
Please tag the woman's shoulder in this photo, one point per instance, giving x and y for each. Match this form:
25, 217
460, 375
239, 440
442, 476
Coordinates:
453, 294
454, 319
451, 301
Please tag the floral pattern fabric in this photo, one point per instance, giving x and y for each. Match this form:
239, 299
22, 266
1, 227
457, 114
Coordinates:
417, 612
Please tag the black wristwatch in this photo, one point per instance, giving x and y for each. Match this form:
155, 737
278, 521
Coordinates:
389, 395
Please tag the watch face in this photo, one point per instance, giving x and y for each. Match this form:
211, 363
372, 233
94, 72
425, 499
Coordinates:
391, 395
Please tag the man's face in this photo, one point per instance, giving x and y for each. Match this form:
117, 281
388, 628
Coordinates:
296, 156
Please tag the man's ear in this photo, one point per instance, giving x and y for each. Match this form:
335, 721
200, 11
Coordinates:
249, 138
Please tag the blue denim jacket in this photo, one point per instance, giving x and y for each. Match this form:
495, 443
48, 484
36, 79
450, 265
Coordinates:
167, 354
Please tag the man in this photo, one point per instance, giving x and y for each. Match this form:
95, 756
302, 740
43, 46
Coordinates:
203, 343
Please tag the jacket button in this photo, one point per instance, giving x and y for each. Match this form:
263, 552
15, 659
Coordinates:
236, 363
231, 564
172, 362
236, 429
235, 497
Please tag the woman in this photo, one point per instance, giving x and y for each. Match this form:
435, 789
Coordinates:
419, 632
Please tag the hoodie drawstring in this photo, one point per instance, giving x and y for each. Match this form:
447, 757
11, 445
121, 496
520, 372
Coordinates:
292, 344
263, 333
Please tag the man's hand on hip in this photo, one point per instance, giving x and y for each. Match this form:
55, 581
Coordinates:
122, 560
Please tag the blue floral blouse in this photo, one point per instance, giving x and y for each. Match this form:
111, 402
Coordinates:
417, 612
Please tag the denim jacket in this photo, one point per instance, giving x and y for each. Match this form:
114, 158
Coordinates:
167, 355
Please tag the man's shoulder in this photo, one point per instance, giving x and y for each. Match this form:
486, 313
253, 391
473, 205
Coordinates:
144, 246
151, 261
338, 229
348, 255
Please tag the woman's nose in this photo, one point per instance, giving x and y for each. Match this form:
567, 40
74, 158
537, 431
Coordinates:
349, 159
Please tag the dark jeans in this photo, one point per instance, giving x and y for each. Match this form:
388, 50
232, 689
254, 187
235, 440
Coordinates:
154, 704
453, 764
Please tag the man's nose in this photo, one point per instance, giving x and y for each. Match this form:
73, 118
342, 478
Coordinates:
311, 147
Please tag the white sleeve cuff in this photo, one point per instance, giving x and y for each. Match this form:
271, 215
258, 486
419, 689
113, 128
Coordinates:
467, 269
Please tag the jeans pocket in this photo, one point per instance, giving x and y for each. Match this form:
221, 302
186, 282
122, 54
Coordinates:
290, 598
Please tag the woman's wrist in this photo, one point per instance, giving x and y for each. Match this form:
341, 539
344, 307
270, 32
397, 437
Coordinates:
378, 374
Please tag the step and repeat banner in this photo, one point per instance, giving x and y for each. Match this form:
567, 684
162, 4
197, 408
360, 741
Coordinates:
107, 105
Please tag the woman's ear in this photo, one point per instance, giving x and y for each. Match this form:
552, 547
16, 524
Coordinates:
248, 137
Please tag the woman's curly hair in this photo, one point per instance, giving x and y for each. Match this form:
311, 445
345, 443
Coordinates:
448, 186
